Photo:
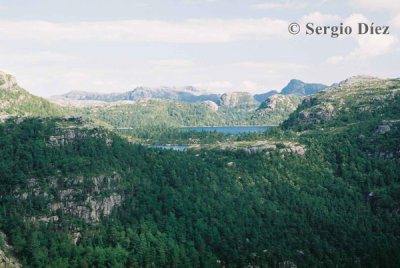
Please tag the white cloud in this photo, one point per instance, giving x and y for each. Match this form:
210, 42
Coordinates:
252, 86
395, 21
215, 86
190, 31
172, 63
320, 18
368, 45
282, 5
354, 19
35, 57
270, 66
377, 4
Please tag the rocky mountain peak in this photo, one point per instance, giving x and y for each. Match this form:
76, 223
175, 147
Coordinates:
281, 102
299, 88
7, 80
232, 99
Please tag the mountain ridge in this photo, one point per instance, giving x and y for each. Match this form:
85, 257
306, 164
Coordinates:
188, 93
300, 88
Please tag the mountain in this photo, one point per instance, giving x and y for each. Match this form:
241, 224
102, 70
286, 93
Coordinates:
276, 108
299, 88
73, 194
262, 97
295, 87
233, 99
354, 97
186, 94
281, 103
15, 101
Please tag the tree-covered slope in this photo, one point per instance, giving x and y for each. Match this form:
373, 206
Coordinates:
357, 99
75, 195
167, 113
154, 112
16, 101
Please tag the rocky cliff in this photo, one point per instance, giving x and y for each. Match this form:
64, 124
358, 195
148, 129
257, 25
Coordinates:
233, 99
14, 100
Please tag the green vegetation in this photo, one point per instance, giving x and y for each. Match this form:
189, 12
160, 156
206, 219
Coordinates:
156, 113
18, 102
336, 205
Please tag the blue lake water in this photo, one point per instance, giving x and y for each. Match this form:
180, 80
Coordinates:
171, 147
230, 130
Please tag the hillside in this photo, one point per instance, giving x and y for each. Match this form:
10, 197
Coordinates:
74, 194
155, 112
233, 99
167, 113
299, 88
263, 96
354, 99
16, 101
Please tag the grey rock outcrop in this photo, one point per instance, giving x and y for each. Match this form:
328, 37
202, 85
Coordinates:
7, 81
281, 102
7, 260
86, 198
233, 99
359, 79
211, 105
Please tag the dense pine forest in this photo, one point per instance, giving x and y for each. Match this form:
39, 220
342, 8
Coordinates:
74, 194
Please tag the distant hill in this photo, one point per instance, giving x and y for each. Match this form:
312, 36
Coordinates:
155, 112
263, 96
276, 108
295, 87
355, 99
15, 101
186, 94
299, 88
233, 99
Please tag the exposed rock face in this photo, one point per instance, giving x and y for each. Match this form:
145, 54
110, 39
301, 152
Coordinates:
7, 260
382, 129
359, 79
281, 103
86, 198
260, 146
69, 134
15, 101
7, 81
91, 210
233, 99
358, 93
299, 88
211, 104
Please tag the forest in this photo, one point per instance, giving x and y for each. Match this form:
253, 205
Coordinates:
336, 205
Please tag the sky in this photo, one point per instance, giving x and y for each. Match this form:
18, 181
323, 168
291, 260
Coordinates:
53, 46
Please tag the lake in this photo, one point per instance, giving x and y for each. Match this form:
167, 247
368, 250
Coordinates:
171, 147
230, 130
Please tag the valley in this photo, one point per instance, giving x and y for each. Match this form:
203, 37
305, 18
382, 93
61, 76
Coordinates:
83, 184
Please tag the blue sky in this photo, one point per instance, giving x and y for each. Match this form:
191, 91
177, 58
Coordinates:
220, 45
